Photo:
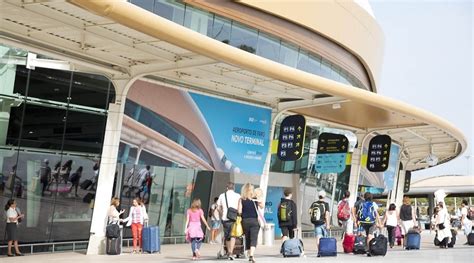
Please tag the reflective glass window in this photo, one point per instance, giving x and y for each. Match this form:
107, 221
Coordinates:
147, 158
91, 90
243, 37
170, 10
308, 63
335, 73
45, 83
145, 4
268, 47
288, 54
84, 132
198, 20
43, 127
326, 69
221, 29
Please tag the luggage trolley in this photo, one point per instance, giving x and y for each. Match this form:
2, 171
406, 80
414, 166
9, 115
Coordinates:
239, 248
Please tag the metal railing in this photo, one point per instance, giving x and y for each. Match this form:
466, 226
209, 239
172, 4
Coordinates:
52, 247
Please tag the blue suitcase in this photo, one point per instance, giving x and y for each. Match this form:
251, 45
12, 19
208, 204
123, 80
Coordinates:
413, 241
327, 247
151, 239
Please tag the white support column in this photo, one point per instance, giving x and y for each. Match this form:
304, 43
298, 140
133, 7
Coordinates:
108, 166
356, 166
266, 166
398, 196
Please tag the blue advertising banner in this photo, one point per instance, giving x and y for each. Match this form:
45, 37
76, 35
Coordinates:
274, 195
389, 175
241, 131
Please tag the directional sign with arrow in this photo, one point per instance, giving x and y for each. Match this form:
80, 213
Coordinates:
378, 155
331, 153
291, 139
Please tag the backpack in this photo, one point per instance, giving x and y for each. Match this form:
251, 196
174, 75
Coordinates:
285, 211
366, 213
343, 211
317, 213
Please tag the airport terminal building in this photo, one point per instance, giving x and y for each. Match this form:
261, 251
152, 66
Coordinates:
197, 90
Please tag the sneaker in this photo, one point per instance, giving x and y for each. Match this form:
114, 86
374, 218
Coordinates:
194, 258
231, 257
252, 259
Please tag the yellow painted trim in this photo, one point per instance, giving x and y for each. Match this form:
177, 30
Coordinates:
274, 149
148, 23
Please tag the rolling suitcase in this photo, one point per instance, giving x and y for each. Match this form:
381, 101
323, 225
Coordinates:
360, 244
114, 246
88, 198
327, 247
470, 239
292, 247
85, 184
378, 246
151, 239
413, 241
453, 238
348, 243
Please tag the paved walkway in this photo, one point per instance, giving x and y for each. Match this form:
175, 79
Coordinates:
181, 253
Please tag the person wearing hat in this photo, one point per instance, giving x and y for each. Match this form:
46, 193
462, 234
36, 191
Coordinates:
319, 215
44, 175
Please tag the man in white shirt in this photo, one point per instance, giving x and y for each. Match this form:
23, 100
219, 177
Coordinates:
228, 199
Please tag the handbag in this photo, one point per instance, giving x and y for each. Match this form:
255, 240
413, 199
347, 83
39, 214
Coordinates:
237, 230
231, 212
261, 220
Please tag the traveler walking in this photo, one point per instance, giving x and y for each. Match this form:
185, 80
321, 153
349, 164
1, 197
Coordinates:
65, 171
215, 221
407, 218
287, 216
13, 218
137, 217
75, 178
368, 217
345, 215
248, 208
44, 174
390, 220
319, 216
443, 229
193, 231
465, 221
227, 204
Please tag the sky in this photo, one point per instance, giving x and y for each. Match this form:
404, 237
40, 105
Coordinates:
428, 62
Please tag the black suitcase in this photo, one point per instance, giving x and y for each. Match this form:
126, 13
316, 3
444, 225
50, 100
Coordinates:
88, 198
85, 184
378, 246
360, 245
114, 246
470, 239
453, 238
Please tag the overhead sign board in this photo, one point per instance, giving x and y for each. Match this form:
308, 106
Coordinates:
291, 139
378, 155
331, 153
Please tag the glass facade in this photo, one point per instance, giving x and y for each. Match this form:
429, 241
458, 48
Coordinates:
52, 125
310, 180
249, 39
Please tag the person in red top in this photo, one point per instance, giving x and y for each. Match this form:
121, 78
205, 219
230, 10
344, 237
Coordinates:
193, 231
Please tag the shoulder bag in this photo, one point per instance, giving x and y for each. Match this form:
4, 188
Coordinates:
261, 219
231, 212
